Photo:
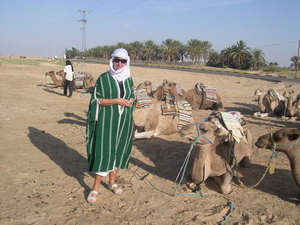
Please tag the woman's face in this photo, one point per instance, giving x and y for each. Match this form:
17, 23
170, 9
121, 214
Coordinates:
119, 63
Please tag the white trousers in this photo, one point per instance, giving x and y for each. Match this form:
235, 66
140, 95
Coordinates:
104, 174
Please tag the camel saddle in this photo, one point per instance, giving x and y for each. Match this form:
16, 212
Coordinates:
210, 92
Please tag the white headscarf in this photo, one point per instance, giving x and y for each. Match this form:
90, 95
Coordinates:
124, 73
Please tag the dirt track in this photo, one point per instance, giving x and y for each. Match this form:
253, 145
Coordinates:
43, 159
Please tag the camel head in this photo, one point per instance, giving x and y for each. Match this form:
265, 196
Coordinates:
205, 132
61, 73
258, 91
145, 85
170, 89
288, 94
281, 139
50, 73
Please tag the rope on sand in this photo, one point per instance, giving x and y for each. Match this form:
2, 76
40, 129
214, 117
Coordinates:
182, 172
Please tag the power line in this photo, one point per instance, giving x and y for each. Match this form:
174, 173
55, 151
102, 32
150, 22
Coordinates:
277, 44
119, 12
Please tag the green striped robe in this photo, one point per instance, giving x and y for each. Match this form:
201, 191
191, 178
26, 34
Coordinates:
109, 128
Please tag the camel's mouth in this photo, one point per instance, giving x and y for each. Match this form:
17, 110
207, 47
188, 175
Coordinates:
183, 135
260, 145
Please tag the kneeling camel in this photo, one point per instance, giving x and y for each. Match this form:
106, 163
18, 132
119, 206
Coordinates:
213, 154
150, 121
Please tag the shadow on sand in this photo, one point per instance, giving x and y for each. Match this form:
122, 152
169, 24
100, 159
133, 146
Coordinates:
68, 159
168, 157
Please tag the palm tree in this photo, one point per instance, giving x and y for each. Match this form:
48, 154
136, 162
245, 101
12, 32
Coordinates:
151, 50
135, 50
225, 58
206, 50
193, 49
169, 49
107, 51
214, 59
295, 60
275, 64
257, 59
240, 55
179, 50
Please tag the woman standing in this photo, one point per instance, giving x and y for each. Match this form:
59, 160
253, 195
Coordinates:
69, 70
110, 123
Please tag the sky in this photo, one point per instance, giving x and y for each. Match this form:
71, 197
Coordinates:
47, 27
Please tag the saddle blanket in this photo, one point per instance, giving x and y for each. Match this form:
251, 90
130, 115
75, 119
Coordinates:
185, 113
154, 87
211, 94
274, 94
143, 99
232, 124
80, 76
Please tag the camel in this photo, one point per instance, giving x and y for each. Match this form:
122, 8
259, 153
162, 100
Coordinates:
61, 73
270, 105
198, 100
213, 154
172, 92
58, 83
150, 121
292, 105
166, 91
147, 85
87, 82
286, 140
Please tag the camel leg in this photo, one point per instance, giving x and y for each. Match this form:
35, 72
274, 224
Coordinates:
226, 179
245, 162
141, 135
265, 114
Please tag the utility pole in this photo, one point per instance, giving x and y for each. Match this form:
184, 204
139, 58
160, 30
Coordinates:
297, 60
83, 35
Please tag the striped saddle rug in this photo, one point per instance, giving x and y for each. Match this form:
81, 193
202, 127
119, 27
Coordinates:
182, 109
143, 99
210, 92
185, 113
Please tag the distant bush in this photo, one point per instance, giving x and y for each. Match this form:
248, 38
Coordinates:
277, 69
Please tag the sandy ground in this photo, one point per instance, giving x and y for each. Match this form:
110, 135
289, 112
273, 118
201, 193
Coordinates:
43, 159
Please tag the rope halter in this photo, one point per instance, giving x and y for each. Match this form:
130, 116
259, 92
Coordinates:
199, 136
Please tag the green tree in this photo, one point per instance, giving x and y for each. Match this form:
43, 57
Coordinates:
257, 59
181, 50
237, 56
135, 50
240, 55
107, 50
72, 53
150, 50
225, 58
214, 59
296, 61
206, 50
169, 49
193, 50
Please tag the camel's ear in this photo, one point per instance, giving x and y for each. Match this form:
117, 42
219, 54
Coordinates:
293, 137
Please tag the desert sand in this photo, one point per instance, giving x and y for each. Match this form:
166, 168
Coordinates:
43, 158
